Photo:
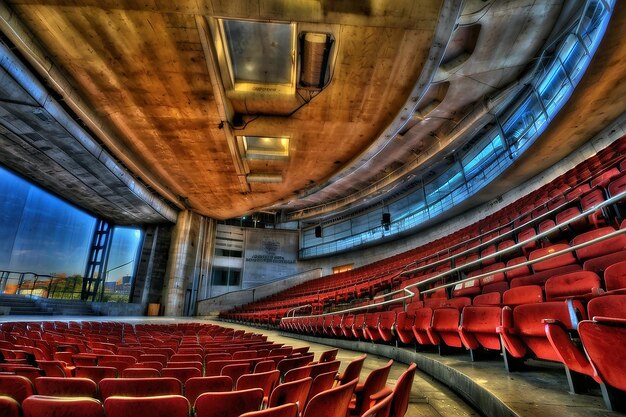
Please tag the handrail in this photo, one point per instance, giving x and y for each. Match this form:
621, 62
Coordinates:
509, 249
518, 245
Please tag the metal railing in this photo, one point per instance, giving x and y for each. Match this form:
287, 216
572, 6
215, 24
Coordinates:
40, 285
518, 245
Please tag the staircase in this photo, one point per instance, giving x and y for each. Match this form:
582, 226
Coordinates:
21, 305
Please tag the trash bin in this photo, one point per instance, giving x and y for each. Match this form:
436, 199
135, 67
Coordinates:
154, 309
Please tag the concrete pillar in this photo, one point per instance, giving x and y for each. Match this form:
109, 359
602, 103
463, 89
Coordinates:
191, 250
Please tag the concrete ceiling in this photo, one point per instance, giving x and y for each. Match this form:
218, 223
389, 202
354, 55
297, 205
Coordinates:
143, 78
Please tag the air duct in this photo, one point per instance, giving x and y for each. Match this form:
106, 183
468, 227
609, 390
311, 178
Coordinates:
315, 49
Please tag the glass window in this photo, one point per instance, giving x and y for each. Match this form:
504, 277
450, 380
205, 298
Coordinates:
226, 277
120, 273
260, 52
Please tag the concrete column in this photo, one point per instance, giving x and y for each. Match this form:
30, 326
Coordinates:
190, 251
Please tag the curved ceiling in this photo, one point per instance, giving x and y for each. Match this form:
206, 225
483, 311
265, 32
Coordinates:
148, 81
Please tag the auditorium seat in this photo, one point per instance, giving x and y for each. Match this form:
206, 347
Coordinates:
577, 226
139, 387
228, 404
495, 287
155, 406
40, 405
386, 322
526, 234
358, 326
615, 279
590, 199
374, 382
381, 408
96, 373
352, 371
321, 383
66, 387
9, 407
401, 392
265, 380
598, 256
582, 285
523, 329
478, 328
526, 294
604, 339
331, 403
198, 385
542, 270
488, 299
16, 386
291, 392
444, 328
140, 373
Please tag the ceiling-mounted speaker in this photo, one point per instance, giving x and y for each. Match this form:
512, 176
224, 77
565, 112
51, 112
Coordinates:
315, 52
318, 231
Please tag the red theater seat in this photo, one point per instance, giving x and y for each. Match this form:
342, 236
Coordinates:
331, 403
604, 339
527, 294
139, 387
291, 392
9, 407
159, 406
196, 386
353, 370
66, 387
265, 380
141, 373
478, 328
16, 386
615, 278
228, 404
598, 256
580, 285
523, 328
374, 382
39, 405
386, 321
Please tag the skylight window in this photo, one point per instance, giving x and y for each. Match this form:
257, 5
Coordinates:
260, 55
257, 147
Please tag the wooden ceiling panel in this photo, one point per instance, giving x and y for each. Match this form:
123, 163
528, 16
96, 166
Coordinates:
143, 70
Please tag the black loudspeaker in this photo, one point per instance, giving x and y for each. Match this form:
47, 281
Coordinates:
386, 220
318, 231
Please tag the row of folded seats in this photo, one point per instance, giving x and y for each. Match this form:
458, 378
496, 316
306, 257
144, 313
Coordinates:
546, 322
305, 388
554, 206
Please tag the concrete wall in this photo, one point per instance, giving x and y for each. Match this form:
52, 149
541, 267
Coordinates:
269, 254
152, 264
214, 305
118, 309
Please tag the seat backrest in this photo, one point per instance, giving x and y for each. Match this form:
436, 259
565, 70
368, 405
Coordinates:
155, 406
571, 285
321, 383
182, 373
526, 294
198, 385
374, 382
613, 306
555, 262
492, 298
236, 370
139, 387
499, 287
9, 407
322, 368
298, 373
228, 404
331, 403
16, 386
40, 405
95, 373
353, 370
291, 392
611, 245
401, 392
141, 373
286, 410
66, 387
264, 380
188, 357
328, 355
615, 276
